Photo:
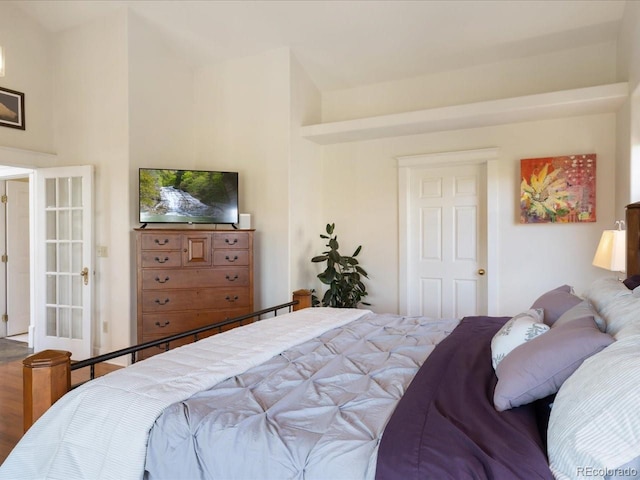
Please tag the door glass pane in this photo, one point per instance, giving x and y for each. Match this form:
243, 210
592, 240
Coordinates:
50, 192
76, 294
76, 224
64, 322
64, 225
64, 290
76, 323
76, 192
63, 192
51, 257
64, 257
76, 258
51, 225
52, 329
51, 290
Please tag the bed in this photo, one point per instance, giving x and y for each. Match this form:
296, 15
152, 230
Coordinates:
348, 394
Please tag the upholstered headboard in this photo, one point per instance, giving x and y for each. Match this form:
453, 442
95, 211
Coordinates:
633, 239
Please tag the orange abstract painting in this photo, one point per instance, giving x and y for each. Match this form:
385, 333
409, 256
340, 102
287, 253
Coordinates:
558, 189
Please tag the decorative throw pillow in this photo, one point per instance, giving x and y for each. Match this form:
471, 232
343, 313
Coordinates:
632, 282
555, 302
583, 309
518, 330
538, 368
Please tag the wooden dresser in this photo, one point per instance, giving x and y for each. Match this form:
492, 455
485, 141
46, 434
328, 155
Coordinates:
191, 278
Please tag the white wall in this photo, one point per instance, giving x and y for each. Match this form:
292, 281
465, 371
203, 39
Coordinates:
91, 124
161, 105
28, 70
243, 124
633, 161
628, 54
628, 164
305, 173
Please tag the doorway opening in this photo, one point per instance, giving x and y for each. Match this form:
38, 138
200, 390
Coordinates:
15, 254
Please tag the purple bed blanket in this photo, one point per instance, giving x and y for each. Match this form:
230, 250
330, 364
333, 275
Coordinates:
445, 425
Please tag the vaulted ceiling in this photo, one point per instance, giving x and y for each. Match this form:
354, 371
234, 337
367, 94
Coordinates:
346, 43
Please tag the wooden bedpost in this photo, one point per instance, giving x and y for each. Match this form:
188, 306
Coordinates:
304, 299
633, 239
46, 377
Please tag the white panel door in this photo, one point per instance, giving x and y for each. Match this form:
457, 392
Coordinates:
18, 257
446, 239
64, 259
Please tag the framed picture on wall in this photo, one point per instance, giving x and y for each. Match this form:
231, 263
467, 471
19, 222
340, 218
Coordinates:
558, 189
11, 109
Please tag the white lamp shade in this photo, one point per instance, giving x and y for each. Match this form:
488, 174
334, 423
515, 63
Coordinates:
1, 62
611, 252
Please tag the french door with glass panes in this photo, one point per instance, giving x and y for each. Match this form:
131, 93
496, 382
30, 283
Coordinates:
64, 260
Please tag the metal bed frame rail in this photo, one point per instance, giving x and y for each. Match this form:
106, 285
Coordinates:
133, 350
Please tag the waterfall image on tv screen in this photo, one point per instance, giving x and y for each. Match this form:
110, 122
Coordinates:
188, 196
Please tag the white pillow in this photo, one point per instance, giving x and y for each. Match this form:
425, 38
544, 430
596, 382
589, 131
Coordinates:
594, 421
604, 291
520, 329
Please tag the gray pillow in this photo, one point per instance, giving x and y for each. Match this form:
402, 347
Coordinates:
539, 367
555, 302
583, 309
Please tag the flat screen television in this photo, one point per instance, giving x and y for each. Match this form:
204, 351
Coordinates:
188, 196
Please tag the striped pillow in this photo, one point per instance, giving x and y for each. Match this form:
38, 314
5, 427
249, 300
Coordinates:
594, 421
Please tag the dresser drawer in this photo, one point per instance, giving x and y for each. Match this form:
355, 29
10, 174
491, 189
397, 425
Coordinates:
231, 257
158, 325
161, 258
154, 279
194, 299
161, 241
230, 240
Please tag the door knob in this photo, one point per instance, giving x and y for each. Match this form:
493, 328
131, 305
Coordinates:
85, 274
481, 271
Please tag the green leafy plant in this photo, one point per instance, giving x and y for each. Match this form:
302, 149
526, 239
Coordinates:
343, 275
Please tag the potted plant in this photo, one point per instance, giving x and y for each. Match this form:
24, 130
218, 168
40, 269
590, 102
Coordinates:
343, 275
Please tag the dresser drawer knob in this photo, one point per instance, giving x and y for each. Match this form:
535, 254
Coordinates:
161, 242
163, 325
229, 259
231, 300
166, 279
162, 260
230, 242
231, 279
160, 302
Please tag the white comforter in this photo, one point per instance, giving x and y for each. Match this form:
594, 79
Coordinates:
100, 430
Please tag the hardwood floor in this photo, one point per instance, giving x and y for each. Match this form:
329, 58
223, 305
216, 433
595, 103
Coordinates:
11, 401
